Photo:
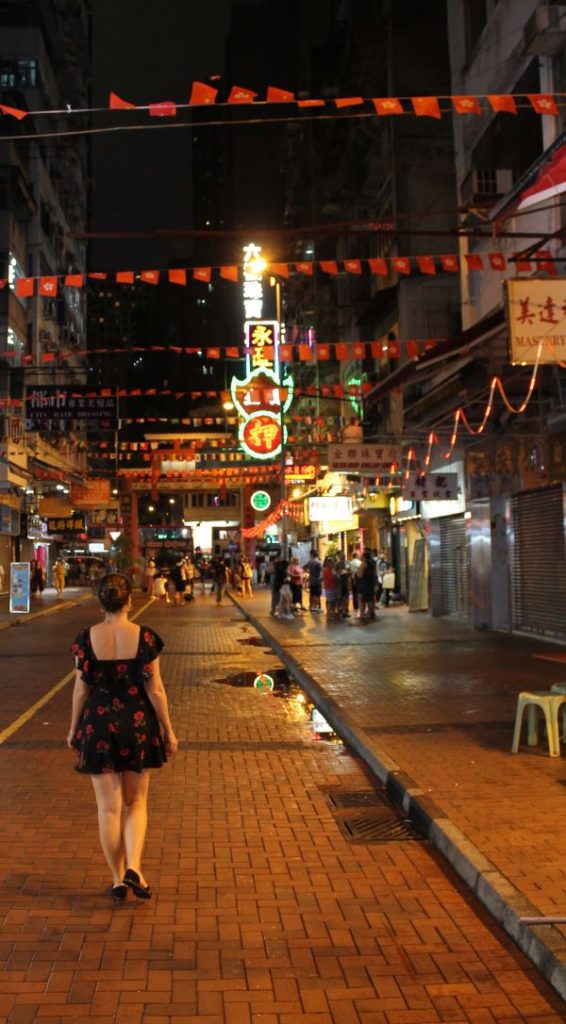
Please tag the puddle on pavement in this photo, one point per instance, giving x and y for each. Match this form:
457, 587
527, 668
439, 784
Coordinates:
276, 682
251, 641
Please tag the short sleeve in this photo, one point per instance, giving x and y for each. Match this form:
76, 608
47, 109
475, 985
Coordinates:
151, 644
80, 649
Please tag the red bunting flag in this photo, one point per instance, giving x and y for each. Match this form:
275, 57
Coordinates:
359, 350
124, 277
353, 266
329, 266
286, 353
401, 264
545, 261
24, 287
378, 266
229, 273
177, 276
281, 269
212, 353
474, 261
202, 94
275, 95
450, 263
542, 103
233, 352
523, 266
323, 352
466, 105
426, 264
3, 283
305, 353
48, 287
502, 104
388, 105
202, 274
497, 261
98, 276
13, 112
412, 349
74, 280
47, 357
310, 103
341, 350
393, 349
426, 106
117, 103
239, 95
348, 101
304, 268
150, 276
376, 349
164, 109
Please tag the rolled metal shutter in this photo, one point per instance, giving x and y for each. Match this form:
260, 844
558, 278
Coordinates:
453, 565
538, 567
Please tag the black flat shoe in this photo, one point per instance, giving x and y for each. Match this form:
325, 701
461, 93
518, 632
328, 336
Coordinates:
119, 892
132, 880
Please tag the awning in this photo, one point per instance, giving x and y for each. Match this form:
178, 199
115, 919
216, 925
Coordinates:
459, 344
507, 206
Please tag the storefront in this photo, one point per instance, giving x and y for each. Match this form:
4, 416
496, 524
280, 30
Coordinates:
9, 534
447, 528
538, 562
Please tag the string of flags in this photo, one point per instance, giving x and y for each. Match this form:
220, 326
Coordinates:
48, 286
202, 94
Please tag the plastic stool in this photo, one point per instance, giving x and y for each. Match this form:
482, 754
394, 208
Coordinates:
549, 704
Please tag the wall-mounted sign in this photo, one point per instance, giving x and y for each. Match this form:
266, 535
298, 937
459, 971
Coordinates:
535, 312
19, 587
259, 399
261, 339
91, 493
9, 520
253, 267
63, 524
338, 508
260, 500
431, 487
55, 407
358, 458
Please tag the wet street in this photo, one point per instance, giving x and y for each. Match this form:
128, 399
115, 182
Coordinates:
287, 889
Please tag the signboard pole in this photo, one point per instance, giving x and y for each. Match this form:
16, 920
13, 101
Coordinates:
284, 544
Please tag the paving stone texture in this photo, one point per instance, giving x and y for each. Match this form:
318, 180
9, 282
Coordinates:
263, 912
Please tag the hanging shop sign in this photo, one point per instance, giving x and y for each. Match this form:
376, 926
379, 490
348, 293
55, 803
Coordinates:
430, 487
252, 273
338, 508
536, 313
261, 400
65, 524
361, 458
56, 407
91, 493
260, 501
19, 587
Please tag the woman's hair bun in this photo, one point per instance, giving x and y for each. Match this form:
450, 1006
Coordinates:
114, 591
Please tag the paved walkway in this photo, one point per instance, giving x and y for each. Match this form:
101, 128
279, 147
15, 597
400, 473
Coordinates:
44, 604
430, 705
263, 912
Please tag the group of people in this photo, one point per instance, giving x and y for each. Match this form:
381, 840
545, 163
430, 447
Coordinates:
176, 584
362, 577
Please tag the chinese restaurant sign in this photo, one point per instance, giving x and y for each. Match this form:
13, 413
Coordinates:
357, 458
55, 407
536, 312
430, 487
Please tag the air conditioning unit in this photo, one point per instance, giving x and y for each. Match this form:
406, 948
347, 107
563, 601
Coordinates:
545, 32
492, 181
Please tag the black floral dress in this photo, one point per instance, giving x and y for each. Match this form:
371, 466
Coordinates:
119, 730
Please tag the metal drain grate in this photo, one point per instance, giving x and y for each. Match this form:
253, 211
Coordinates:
340, 799
376, 828
369, 816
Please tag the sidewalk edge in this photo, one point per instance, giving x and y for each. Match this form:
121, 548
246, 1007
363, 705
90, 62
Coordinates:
545, 946
45, 611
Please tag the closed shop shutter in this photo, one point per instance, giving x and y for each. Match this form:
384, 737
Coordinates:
450, 574
538, 569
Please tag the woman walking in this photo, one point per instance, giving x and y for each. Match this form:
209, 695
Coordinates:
59, 577
366, 588
120, 727
330, 583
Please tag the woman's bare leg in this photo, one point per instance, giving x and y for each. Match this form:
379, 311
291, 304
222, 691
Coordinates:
108, 793
135, 787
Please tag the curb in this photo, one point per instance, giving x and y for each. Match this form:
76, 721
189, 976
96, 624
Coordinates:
44, 611
546, 946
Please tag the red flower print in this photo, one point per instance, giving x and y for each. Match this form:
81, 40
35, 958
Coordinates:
121, 668
85, 666
78, 734
147, 637
138, 717
102, 745
132, 690
124, 752
155, 741
116, 702
88, 730
147, 668
101, 710
112, 727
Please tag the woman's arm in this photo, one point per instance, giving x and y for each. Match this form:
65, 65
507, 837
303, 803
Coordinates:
158, 698
80, 694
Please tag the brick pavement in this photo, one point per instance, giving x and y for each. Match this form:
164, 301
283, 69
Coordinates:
263, 913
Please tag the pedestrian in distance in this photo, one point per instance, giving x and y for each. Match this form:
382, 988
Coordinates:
36, 578
367, 574
246, 577
220, 578
120, 728
150, 571
178, 578
296, 580
59, 577
355, 563
285, 604
314, 569
331, 585
279, 574
160, 590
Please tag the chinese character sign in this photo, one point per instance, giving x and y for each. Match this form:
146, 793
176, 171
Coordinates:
430, 487
536, 313
357, 458
261, 436
261, 340
253, 268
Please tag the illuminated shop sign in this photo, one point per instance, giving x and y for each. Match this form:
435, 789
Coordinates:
260, 501
336, 508
253, 268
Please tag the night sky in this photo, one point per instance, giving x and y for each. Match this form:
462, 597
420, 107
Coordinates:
148, 51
